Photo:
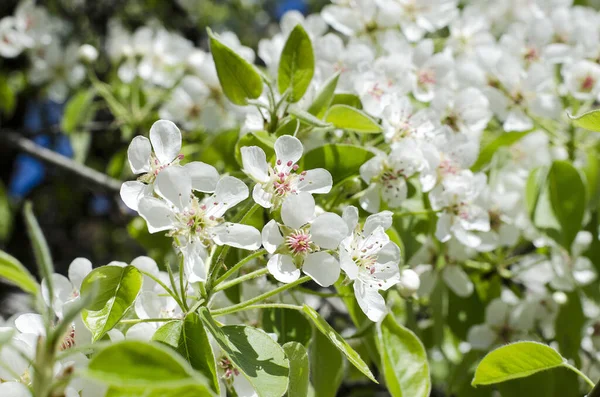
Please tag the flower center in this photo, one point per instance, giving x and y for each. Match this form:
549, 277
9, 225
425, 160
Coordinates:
195, 220
229, 370
299, 242
426, 77
587, 84
68, 340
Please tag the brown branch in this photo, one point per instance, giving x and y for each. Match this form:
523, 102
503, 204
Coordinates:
81, 170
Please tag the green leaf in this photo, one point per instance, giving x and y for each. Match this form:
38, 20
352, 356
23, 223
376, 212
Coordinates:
118, 288
338, 342
347, 99
589, 121
296, 65
517, 360
289, 325
322, 101
591, 170
6, 216
262, 139
240, 80
506, 139
168, 391
220, 151
568, 199
299, 371
342, 161
189, 338
77, 110
136, 365
254, 353
533, 188
327, 366
290, 127
570, 322
7, 97
557, 382
12, 271
351, 119
307, 118
404, 360
40, 248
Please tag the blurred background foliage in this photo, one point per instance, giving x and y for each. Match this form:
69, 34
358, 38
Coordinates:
78, 218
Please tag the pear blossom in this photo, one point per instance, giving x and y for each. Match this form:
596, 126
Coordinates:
276, 182
197, 224
401, 120
582, 79
304, 241
370, 259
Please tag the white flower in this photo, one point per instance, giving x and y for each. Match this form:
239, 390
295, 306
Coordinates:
276, 182
409, 283
401, 120
387, 175
461, 215
431, 71
195, 223
302, 242
504, 323
582, 79
88, 53
466, 111
370, 259
12, 41
67, 289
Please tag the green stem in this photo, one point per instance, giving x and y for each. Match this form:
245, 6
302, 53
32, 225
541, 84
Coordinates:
587, 380
259, 298
595, 391
245, 277
238, 265
258, 306
169, 291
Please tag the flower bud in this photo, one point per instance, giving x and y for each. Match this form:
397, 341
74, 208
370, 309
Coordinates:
88, 53
409, 283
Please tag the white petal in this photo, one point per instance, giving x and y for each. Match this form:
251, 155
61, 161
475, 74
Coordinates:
288, 149
322, 267
350, 216
481, 337
347, 264
132, 192
157, 214
317, 181
261, 196
442, 230
370, 301
254, 161
78, 270
141, 331
458, 281
229, 192
175, 185
383, 219
138, 153
271, 236
298, 210
14, 389
204, 176
328, 230
166, 140
30, 323
236, 235
146, 264
283, 269
497, 312
194, 255
370, 200
242, 387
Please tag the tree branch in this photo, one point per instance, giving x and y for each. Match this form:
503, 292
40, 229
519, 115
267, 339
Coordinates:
81, 170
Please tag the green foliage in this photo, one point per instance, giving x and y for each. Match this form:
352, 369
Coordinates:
488, 151
289, 325
132, 366
299, 369
342, 161
589, 121
296, 65
118, 288
13, 272
262, 139
188, 337
254, 353
239, 79
327, 365
40, 247
404, 360
339, 342
569, 337
78, 110
324, 97
351, 119
517, 360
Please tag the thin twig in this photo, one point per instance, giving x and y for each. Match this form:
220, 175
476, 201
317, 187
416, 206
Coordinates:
56, 159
